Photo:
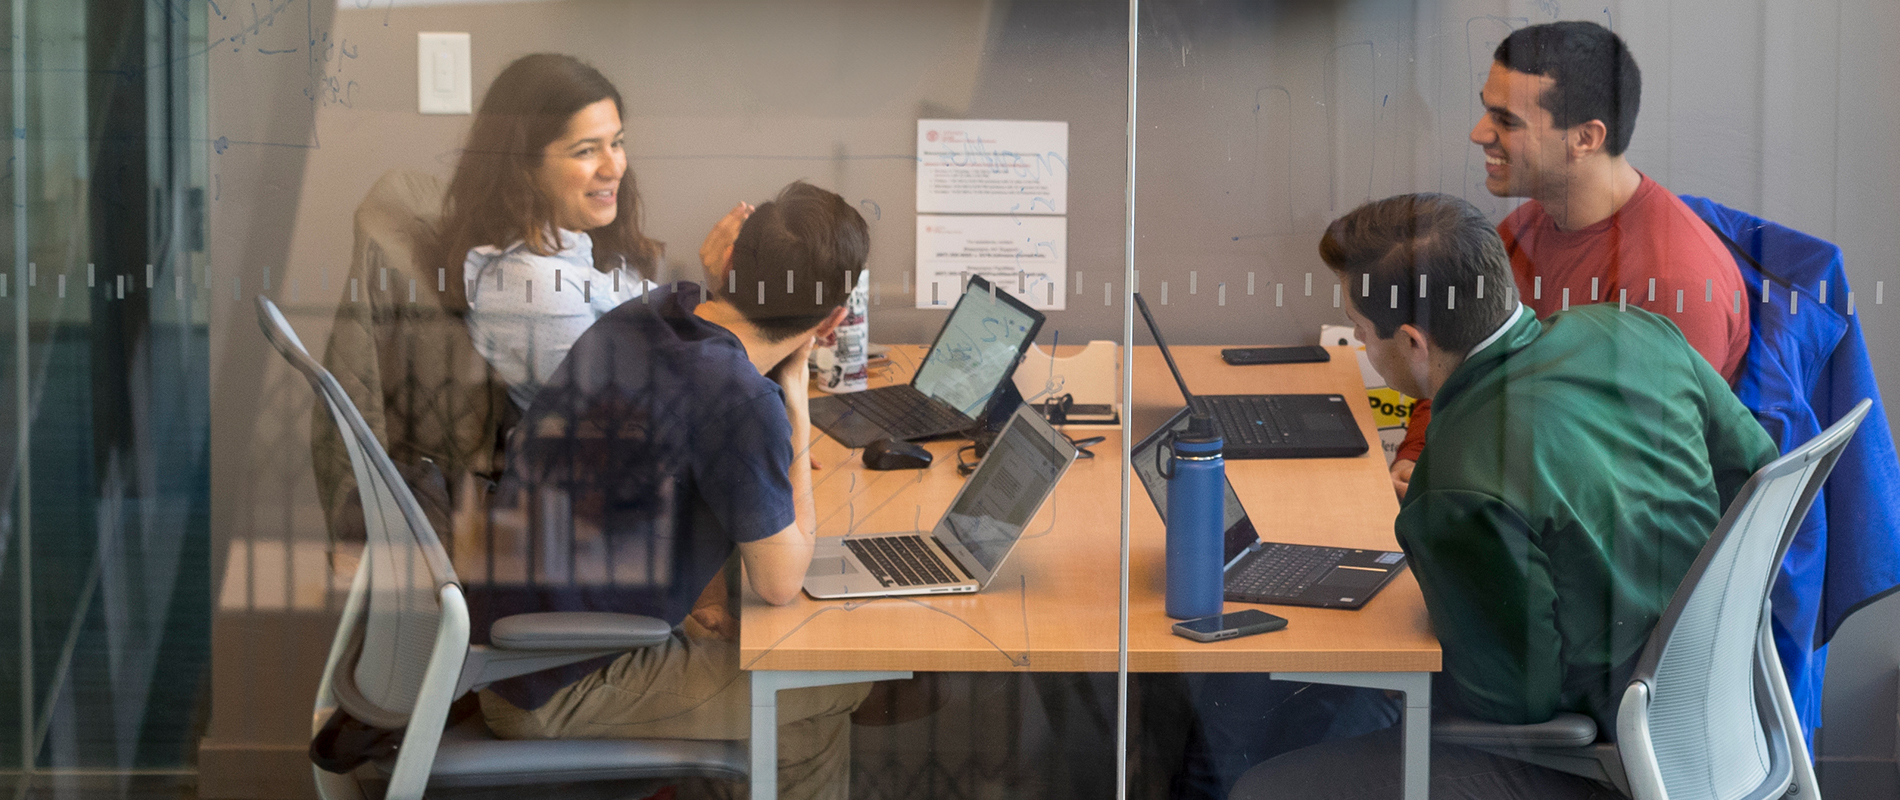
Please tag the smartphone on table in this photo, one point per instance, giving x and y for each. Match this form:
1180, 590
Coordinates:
1229, 626
1305, 354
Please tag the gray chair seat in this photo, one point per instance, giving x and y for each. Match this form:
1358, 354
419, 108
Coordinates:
1564, 730
469, 755
577, 630
1566, 742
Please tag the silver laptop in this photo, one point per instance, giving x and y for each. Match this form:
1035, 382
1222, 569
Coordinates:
969, 544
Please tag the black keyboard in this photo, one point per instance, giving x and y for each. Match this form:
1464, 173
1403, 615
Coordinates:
901, 560
1283, 570
1249, 420
906, 413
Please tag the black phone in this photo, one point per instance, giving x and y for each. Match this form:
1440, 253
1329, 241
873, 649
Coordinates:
1063, 410
1229, 626
1303, 354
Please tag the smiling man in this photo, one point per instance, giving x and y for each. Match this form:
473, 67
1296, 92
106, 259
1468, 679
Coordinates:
1559, 111
1576, 468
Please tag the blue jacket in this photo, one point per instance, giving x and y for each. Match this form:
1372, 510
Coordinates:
1806, 366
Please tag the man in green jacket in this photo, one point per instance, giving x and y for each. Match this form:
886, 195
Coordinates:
1574, 468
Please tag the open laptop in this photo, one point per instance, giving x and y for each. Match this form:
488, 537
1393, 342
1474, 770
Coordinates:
1271, 425
975, 353
969, 544
1271, 572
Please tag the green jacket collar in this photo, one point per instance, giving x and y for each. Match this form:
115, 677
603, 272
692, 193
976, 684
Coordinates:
1521, 334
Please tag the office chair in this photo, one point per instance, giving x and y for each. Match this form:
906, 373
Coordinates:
1707, 713
401, 653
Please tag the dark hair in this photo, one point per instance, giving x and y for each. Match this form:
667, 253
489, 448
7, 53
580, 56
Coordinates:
1595, 76
492, 200
1438, 237
809, 233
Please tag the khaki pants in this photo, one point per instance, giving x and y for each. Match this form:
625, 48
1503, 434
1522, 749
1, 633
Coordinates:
692, 688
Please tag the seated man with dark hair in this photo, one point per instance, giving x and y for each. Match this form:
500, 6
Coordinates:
673, 433
1574, 469
1560, 109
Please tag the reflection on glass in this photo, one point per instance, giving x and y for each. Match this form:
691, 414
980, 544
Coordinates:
1259, 124
104, 563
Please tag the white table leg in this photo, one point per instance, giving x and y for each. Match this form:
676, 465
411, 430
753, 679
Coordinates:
1416, 716
766, 685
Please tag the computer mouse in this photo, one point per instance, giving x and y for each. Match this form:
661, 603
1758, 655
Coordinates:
892, 454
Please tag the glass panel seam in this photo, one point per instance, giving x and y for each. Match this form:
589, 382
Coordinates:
1128, 407
23, 516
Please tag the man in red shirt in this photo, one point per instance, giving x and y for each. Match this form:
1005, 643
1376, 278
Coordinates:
1560, 106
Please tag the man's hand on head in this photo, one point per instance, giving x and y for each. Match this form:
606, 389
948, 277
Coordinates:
715, 254
826, 334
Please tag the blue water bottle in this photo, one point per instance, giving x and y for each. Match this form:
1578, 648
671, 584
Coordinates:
1197, 484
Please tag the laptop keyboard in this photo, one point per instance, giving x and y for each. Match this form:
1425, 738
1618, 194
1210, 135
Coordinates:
906, 413
1282, 570
1250, 420
901, 560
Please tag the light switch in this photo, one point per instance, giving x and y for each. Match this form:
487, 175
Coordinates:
442, 83
444, 73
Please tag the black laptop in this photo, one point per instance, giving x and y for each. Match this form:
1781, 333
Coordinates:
1271, 425
1272, 572
975, 352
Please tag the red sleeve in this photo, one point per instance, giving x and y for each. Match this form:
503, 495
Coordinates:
1696, 283
1414, 443
1655, 236
1702, 304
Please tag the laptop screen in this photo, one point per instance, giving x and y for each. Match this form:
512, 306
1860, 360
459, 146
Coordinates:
1016, 475
1166, 354
1239, 529
976, 349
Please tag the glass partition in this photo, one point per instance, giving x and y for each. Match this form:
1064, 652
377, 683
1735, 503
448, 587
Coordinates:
562, 300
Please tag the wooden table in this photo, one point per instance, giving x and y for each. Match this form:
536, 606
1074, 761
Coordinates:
1055, 605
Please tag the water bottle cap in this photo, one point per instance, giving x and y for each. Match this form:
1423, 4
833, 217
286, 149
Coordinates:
1201, 437
1200, 429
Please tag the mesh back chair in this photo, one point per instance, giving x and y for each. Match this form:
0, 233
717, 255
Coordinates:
1706, 714
401, 653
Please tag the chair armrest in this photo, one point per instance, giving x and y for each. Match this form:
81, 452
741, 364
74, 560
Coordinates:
1562, 731
577, 630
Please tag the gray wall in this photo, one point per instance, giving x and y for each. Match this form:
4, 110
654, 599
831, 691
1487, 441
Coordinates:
1259, 123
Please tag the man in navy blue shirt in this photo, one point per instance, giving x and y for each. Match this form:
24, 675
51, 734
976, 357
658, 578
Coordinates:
674, 433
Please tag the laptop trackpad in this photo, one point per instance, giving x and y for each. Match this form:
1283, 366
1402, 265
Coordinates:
1349, 578
833, 565
1321, 422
